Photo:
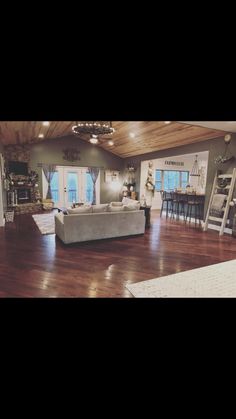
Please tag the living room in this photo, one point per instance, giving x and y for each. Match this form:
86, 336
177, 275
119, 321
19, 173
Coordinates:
61, 167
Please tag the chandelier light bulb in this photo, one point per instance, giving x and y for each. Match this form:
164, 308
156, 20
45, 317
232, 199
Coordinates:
93, 139
93, 128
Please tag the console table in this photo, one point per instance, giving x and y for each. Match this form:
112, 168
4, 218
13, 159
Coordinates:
147, 213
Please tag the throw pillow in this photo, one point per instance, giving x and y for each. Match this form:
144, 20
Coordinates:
81, 210
115, 209
127, 201
116, 204
99, 208
131, 207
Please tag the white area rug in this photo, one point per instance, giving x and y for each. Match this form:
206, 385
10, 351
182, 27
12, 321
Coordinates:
45, 223
211, 281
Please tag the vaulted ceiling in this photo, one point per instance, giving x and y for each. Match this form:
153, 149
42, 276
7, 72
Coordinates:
131, 138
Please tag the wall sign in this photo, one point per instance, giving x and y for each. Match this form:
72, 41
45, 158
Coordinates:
112, 176
174, 163
71, 154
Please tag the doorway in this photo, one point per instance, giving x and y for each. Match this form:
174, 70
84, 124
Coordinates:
72, 184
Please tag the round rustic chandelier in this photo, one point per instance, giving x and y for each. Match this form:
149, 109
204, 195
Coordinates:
93, 128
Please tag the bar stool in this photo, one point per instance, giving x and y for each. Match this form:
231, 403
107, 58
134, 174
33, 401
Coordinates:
179, 201
193, 208
166, 198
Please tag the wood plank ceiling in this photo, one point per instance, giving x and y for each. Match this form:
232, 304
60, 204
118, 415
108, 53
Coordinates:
148, 135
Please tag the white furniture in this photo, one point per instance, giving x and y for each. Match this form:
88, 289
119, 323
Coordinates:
74, 228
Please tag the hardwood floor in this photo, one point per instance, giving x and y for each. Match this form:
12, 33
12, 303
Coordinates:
33, 265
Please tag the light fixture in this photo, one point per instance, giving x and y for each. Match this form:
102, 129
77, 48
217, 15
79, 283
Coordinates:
195, 168
132, 134
93, 128
45, 123
110, 142
167, 122
93, 139
227, 138
41, 135
224, 157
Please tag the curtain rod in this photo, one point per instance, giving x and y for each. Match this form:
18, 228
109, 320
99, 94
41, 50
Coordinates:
59, 164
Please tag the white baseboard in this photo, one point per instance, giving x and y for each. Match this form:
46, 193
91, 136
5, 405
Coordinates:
181, 217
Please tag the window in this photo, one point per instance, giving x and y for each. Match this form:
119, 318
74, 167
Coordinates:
158, 180
184, 179
170, 179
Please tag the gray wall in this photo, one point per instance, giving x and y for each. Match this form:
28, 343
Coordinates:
215, 148
51, 151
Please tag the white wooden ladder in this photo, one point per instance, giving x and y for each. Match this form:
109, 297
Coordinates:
228, 199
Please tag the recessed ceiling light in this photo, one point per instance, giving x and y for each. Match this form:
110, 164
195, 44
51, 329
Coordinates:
94, 139
41, 135
110, 142
46, 123
132, 134
167, 122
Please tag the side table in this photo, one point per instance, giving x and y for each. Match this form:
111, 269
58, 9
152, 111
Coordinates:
147, 213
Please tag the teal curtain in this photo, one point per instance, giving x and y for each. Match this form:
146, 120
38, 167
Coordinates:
94, 172
49, 170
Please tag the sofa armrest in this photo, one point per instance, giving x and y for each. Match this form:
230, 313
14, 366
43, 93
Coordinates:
59, 226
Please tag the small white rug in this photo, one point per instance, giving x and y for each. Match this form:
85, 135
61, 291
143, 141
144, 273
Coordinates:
45, 223
211, 281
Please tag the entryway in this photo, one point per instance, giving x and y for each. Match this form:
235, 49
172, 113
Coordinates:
71, 184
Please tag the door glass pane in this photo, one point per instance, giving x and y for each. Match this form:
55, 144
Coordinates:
55, 187
72, 187
89, 188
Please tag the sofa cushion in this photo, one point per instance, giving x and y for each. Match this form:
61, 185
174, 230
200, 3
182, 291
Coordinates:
127, 201
116, 204
80, 210
132, 207
100, 208
111, 208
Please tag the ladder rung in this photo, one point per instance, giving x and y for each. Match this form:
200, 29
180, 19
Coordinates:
225, 176
226, 187
215, 219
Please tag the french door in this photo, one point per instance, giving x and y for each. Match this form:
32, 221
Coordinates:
72, 184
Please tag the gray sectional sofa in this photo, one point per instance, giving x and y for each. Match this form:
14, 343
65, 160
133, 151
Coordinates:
82, 227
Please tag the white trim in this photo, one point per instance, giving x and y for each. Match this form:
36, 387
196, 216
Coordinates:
181, 217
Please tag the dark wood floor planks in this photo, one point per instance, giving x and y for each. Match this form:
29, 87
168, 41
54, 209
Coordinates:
33, 265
